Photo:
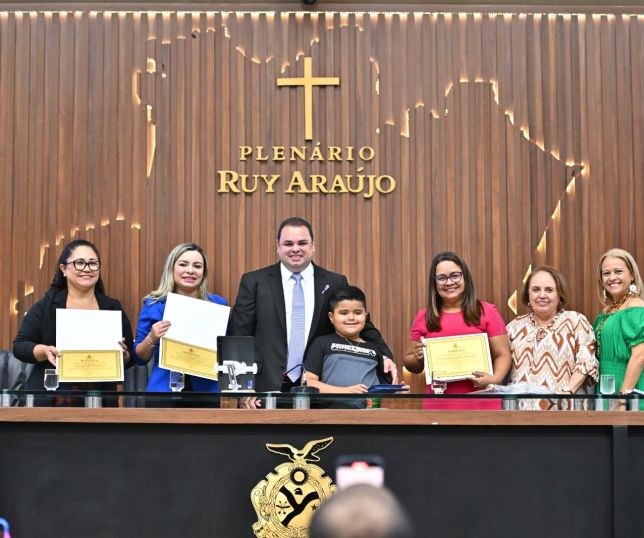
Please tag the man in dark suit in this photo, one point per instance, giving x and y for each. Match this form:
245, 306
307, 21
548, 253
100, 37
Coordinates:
268, 297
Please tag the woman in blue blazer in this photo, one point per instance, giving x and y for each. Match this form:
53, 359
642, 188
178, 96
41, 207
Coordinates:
185, 272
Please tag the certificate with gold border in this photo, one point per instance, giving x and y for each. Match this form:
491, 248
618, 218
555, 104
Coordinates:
90, 365
453, 358
188, 358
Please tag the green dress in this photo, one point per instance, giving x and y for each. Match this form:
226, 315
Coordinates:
623, 330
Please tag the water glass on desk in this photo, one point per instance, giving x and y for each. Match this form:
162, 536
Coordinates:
51, 379
607, 384
177, 381
439, 385
607, 387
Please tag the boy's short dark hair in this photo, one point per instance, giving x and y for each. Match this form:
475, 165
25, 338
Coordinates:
347, 293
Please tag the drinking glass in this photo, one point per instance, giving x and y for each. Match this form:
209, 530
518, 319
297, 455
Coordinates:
607, 384
51, 379
439, 385
177, 381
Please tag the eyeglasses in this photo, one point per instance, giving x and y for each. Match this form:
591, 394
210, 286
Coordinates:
455, 277
81, 264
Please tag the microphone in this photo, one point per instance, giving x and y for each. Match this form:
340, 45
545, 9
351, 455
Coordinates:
325, 289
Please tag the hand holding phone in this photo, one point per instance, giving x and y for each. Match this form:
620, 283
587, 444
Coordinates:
359, 469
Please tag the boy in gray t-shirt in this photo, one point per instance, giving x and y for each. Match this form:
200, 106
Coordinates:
343, 362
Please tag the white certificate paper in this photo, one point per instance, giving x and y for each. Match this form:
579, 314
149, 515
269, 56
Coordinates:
88, 343
80, 330
194, 321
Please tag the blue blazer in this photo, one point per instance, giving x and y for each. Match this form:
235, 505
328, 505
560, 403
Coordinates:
159, 380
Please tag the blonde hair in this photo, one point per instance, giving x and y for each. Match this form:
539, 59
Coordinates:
631, 264
166, 285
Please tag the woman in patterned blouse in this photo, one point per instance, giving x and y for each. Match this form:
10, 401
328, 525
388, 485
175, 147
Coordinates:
551, 346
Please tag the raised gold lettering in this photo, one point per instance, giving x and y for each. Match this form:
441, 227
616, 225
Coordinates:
370, 189
360, 179
318, 183
245, 151
338, 184
297, 181
366, 153
244, 183
228, 181
270, 182
259, 154
334, 153
316, 154
379, 187
298, 153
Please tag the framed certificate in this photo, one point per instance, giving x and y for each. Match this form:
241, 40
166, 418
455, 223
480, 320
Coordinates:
88, 365
190, 345
451, 358
188, 358
88, 342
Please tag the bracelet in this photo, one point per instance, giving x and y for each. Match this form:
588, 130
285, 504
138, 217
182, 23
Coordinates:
151, 342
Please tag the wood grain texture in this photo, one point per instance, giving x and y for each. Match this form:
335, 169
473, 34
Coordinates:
382, 417
514, 139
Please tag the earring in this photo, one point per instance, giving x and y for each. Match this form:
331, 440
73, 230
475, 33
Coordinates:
605, 296
632, 289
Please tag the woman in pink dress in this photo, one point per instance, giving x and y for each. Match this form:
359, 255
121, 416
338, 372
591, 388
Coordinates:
454, 310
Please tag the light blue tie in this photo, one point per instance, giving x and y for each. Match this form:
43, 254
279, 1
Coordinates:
296, 342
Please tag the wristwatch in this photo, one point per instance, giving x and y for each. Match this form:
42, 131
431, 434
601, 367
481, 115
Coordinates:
566, 389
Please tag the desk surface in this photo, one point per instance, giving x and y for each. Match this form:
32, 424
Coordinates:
376, 417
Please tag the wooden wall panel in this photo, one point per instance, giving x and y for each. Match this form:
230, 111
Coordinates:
514, 138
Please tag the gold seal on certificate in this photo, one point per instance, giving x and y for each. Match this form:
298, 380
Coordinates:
188, 358
88, 365
453, 358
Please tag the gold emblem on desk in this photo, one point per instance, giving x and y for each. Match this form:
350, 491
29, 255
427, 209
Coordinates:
285, 501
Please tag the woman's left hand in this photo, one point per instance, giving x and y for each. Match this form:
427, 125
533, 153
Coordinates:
482, 380
126, 353
390, 368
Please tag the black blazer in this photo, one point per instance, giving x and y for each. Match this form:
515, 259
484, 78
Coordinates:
259, 311
39, 327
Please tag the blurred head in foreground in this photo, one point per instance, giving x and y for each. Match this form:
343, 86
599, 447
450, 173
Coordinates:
361, 511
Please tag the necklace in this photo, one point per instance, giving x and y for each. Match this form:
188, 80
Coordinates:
542, 331
352, 342
614, 307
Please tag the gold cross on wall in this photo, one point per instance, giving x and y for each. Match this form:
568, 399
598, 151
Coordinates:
308, 81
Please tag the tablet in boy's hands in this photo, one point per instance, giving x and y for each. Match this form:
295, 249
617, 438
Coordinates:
387, 388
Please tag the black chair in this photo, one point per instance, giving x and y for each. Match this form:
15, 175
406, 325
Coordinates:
13, 373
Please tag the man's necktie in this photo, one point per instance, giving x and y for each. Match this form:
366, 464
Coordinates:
296, 342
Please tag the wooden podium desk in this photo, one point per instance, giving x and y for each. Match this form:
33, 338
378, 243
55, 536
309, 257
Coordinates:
189, 472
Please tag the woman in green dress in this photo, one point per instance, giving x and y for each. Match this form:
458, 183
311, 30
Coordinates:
619, 328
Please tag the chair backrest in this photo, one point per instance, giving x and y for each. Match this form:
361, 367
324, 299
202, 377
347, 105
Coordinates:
13, 373
136, 380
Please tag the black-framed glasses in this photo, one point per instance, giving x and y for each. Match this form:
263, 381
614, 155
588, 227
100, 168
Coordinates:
81, 264
454, 276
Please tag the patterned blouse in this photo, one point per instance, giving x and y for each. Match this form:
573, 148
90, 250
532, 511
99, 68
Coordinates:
552, 358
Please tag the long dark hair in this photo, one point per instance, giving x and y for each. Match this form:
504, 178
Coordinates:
470, 305
59, 281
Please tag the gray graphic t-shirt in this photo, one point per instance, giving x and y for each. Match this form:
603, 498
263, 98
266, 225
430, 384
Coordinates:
339, 362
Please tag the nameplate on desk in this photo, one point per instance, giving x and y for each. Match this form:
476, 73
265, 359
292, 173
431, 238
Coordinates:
90, 365
188, 358
452, 358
